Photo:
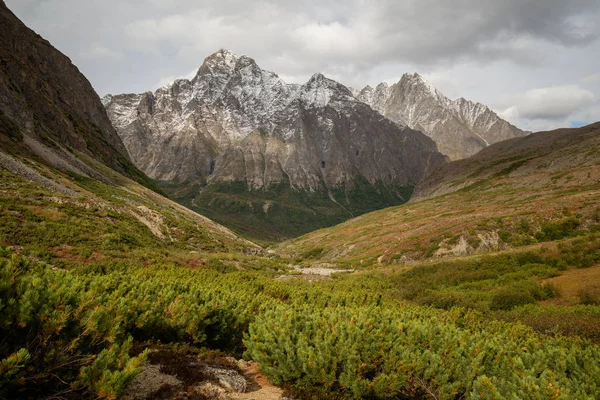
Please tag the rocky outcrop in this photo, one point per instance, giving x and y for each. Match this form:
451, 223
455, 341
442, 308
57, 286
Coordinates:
460, 127
236, 124
47, 107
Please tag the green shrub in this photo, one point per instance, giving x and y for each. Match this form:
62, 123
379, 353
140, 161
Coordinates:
511, 297
555, 230
348, 336
505, 236
313, 253
551, 290
474, 241
582, 320
409, 352
11, 368
524, 226
589, 296
112, 370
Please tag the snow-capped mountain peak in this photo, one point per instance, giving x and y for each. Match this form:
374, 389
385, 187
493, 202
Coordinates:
320, 91
221, 62
237, 122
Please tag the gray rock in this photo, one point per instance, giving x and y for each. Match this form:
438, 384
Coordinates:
228, 379
45, 102
149, 381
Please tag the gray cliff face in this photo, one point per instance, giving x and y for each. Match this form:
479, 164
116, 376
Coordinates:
460, 127
46, 97
236, 122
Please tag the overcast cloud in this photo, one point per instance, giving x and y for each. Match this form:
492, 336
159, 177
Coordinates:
536, 62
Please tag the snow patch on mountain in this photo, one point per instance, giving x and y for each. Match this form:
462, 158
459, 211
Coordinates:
234, 121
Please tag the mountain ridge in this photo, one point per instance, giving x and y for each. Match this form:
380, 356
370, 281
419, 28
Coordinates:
515, 193
237, 124
459, 127
549, 152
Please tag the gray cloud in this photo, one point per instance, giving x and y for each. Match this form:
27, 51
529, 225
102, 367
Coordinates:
487, 50
546, 108
556, 102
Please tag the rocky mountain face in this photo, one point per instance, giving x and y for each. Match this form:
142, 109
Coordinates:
290, 157
48, 108
460, 127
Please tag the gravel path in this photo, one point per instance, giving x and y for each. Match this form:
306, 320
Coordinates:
260, 388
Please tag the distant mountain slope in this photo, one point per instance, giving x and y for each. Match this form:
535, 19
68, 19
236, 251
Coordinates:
47, 107
531, 160
285, 158
459, 127
519, 192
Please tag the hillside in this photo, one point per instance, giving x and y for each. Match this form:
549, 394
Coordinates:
535, 161
67, 219
48, 108
270, 159
513, 231
497, 199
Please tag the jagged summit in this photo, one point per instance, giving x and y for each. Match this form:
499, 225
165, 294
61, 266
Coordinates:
320, 91
223, 60
421, 83
223, 72
459, 127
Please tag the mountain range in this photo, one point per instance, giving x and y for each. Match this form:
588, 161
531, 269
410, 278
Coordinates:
291, 158
286, 158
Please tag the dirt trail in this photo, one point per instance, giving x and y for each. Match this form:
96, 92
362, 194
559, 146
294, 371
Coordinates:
259, 387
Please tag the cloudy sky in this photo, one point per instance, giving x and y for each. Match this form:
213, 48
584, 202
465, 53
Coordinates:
535, 62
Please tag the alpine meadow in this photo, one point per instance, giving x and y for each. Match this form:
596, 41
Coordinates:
239, 234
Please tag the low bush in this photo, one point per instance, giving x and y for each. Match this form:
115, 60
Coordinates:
511, 297
555, 230
71, 331
410, 352
590, 296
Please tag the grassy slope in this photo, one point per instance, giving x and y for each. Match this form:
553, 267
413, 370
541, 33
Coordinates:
119, 221
512, 240
506, 203
114, 251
